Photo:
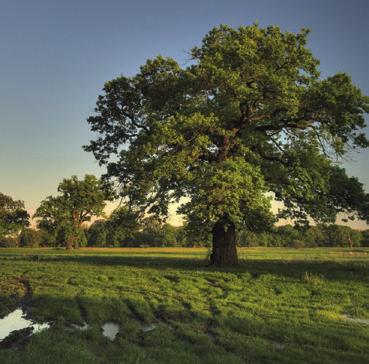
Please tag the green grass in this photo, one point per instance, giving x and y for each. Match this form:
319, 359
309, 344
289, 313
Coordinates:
278, 306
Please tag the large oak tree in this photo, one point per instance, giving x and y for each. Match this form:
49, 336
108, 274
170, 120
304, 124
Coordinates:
246, 119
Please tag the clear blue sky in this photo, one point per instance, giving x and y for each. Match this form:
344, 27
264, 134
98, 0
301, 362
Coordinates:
56, 55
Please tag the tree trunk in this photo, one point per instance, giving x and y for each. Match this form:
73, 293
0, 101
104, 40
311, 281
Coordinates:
350, 241
76, 239
70, 242
71, 239
224, 243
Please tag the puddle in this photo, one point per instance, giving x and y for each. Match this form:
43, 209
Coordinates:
83, 327
16, 321
278, 346
148, 327
356, 320
110, 330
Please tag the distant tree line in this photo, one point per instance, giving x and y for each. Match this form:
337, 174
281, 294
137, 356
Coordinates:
75, 218
153, 233
314, 236
150, 232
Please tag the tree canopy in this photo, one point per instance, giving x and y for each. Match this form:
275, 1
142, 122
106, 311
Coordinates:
247, 119
13, 216
78, 201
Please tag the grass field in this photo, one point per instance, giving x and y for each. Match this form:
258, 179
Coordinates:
278, 306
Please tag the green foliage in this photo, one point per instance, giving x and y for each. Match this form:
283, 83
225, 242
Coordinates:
365, 238
13, 216
78, 201
70, 234
122, 225
336, 235
247, 116
83, 199
31, 238
314, 236
155, 233
97, 233
124, 228
81, 238
191, 234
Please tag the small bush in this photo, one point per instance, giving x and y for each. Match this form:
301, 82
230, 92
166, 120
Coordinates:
8, 242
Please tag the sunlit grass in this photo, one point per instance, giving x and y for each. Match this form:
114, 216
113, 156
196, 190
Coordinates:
278, 306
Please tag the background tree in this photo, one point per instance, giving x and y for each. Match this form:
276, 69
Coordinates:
51, 217
248, 115
122, 226
77, 203
338, 235
97, 233
195, 234
365, 238
155, 232
31, 238
13, 216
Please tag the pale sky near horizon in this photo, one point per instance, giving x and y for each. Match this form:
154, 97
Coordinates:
56, 55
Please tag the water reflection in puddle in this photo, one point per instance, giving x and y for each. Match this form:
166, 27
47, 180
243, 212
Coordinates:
16, 321
148, 327
110, 330
277, 345
83, 327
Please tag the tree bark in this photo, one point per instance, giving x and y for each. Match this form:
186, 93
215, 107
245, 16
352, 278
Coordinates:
71, 238
70, 242
224, 243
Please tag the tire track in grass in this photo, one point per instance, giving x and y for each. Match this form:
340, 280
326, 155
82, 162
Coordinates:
82, 309
212, 323
28, 292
